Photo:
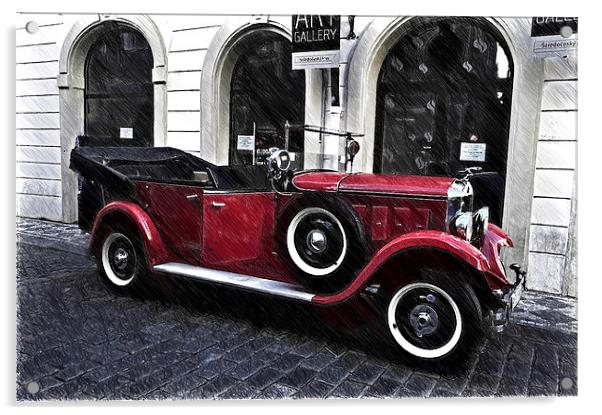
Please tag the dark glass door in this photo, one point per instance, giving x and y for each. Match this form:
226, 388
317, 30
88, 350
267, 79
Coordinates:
265, 93
119, 90
443, 102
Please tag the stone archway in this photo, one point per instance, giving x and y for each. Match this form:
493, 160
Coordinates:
379, 37
71, 85
216, 77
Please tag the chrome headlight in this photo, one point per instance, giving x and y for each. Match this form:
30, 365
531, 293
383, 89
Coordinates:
459, 198
459, 206
480, 223
280, 159
461, 226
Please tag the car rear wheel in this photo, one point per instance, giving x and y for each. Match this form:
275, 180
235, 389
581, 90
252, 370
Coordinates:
434, 320
122, 262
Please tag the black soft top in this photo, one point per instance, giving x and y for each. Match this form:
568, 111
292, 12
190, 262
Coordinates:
132, 155
119, 167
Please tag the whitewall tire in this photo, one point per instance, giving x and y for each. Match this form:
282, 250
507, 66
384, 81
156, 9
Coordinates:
119, 259
316, 242
425, 320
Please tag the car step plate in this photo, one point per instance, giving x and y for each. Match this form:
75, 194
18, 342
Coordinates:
248, 282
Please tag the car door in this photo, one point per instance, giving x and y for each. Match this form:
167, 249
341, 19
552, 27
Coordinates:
237, 226
177, 212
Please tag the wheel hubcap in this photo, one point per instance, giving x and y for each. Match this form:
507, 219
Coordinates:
424, 320
316, 241
120, 258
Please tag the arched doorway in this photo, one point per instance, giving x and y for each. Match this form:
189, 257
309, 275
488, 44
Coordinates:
265, 93
118, 94
443, 103
71, 81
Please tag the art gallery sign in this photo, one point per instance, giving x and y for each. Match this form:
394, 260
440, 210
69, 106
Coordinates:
316, 41
553, 36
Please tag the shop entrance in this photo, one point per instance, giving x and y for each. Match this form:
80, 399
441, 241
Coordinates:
443, 104
265, 93
118, 96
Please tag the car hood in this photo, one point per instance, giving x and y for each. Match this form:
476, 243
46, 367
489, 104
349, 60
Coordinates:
373, 183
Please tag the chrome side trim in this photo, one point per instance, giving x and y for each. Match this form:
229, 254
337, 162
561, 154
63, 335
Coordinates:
248, 282
236, 191
390, 194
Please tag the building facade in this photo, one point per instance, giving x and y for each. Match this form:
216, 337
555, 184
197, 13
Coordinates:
415, 87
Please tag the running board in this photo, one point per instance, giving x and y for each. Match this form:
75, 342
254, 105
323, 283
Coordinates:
248, 282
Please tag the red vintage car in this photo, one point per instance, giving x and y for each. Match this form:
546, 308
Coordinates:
410, 254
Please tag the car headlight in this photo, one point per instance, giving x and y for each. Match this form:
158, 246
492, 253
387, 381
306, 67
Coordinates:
281, 159
461, 226
480, 223
459, 206
459, 198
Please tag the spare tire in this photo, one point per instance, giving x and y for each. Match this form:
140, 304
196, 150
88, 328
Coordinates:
325, 244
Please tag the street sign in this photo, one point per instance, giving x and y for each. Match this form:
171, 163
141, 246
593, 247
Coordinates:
553, 36
316, 41
554, 47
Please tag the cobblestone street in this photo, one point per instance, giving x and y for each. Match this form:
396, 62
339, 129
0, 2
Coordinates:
77, 339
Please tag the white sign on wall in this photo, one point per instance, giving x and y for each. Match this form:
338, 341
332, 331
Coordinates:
316, 41
473, 151
554, 36
246, 142
554, 47
126, 133
316, 60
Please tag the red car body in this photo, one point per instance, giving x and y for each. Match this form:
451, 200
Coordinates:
175, 229
234, 236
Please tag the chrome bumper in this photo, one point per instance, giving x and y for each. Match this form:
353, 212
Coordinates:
510, 299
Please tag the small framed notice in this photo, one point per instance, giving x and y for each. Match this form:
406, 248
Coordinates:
473, 151
246, 142
126, 133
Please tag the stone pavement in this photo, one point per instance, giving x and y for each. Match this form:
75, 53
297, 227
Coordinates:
77, 339
61, 236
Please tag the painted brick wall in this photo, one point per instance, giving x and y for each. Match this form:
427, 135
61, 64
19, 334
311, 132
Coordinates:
190, 38
552, 239
38, 151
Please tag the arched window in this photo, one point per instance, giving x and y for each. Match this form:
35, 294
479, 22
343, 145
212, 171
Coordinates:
118, 96
265, 93
443, 101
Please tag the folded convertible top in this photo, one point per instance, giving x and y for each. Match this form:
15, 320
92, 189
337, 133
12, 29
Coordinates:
106, 155
118, 167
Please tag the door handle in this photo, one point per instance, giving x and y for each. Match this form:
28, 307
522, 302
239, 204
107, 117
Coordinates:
195, 200
218, 204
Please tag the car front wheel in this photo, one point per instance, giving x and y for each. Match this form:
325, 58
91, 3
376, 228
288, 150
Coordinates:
434, 321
